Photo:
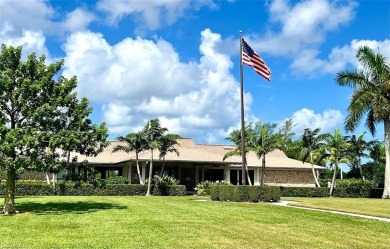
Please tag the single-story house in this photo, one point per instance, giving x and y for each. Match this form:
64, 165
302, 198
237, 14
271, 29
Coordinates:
199, 162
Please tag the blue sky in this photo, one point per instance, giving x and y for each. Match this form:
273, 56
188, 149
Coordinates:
179, 60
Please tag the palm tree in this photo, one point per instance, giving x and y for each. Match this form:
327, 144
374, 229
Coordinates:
311, 143
337, 147
371, 96
286, 135
167, 145
135, 142
152, 133
377, 153
357, 150
262, 142
235, 137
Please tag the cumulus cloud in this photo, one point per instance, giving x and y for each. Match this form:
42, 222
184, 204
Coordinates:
302, 28
30, 41
150, 14
326, 121
32, 15
138, 79
303, 25
78, 20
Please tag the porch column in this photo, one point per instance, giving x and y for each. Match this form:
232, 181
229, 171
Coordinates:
197, 174
202, 173
257, 177
226, 173
129, 172
238, 177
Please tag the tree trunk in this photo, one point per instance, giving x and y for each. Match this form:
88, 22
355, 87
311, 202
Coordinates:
375, 175
9, 198
262, 171
361, 172
54, 180
333, 179
247, 173
313, 171
47, 178
162, 168
138, 170
243, 172
148, 193
386, 190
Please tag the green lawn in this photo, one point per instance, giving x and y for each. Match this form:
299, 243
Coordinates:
375, 207
180, 222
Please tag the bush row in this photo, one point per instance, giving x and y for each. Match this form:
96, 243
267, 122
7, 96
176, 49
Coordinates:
72, 189
304, 192
240, 193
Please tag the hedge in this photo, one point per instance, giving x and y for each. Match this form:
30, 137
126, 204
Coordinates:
241, 193
353, 188
304, 192
75, 189
171, 190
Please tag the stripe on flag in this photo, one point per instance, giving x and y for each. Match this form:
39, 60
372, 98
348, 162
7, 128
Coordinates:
252, 59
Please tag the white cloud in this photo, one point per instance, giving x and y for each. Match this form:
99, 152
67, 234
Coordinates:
306, 118
138, 79
78, 20
302, 28
303, 25
30, 41
32, 15
150, 14
309, 63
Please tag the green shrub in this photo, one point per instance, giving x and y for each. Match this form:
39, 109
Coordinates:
353, 188
162, 185
214, 192
203, 188
176, 190
304, 192
240, 193
30, 188
117, 180
85, 189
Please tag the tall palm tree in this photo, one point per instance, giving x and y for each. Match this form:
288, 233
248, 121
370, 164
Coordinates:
152, 133
235, 137
377, 153
167, 145
262, 142
337, 147
134, 142
311, 143
371, 96
357, 150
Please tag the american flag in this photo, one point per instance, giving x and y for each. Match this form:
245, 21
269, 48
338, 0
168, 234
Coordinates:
252, 59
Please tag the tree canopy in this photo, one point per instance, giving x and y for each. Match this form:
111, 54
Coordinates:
40, 113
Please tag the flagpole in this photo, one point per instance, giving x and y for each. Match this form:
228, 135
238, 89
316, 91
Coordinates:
243, 175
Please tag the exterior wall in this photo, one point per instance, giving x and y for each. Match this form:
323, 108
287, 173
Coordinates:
289, 178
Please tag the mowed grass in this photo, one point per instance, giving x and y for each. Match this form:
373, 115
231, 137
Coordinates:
180, 222
374, 207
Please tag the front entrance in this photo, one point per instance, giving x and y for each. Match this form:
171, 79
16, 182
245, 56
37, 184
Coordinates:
187, 178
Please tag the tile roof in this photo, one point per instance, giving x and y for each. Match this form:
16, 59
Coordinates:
197, 153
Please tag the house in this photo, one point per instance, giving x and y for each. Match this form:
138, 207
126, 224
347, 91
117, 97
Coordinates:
200, 162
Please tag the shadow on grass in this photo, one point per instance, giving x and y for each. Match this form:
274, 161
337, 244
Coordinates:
58, 208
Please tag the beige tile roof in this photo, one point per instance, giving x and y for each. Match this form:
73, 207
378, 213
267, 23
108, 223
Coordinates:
198, 153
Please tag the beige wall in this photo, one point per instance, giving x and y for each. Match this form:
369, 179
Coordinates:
289, 177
